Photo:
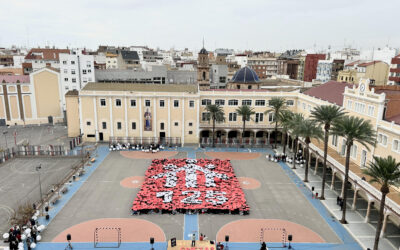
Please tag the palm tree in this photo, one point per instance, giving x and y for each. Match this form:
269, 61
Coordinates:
352, 129
309, 129
325, 115
384, 171
297, 119
217, 115
285, 118
245, 112
277, 104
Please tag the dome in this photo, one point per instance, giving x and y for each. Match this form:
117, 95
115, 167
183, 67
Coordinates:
245, 75
203, 51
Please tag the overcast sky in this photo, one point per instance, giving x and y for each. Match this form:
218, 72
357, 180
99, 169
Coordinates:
248, 24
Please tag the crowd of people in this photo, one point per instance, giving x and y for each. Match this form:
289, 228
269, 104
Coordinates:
190, 186
25, 237
152, 148
281, 157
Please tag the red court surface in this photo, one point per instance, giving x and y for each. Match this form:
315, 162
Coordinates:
143, 155
249, 230
132, 182
233, 155
249, 183
132, 230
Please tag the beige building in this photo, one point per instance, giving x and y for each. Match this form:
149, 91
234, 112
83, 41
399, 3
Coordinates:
376, 71
32, 99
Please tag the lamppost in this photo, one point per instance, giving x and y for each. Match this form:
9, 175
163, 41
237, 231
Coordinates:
40, 185
5, 137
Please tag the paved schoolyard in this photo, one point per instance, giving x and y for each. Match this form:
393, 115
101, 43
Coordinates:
19, 182
35, 135
105, 199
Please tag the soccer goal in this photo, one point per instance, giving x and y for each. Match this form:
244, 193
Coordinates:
273, 233
107, 237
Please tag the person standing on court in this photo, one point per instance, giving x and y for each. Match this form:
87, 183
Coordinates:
193, 240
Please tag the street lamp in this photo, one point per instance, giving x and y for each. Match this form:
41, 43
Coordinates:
40, 185
5, 137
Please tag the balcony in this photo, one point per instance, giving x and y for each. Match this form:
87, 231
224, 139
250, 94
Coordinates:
208, 125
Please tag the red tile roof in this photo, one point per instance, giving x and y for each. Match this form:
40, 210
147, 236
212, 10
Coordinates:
48, 54
330, 91
14, 79
395, 119
368, 63
353, 63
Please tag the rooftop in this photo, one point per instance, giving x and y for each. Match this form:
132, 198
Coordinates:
368, 63
45, 54
129, 55
331, 91
94, 86
245, 75
14, 79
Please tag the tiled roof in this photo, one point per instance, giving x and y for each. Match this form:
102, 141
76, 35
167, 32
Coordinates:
12, 71
14, 79
245, 75
330, 91
395, 119
48, 54
96, 86
353, 63
368, 63
129, 55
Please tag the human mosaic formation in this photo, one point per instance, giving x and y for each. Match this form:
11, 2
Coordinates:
190, 186
152, 148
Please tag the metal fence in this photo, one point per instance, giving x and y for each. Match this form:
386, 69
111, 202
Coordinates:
233, 142
165, 141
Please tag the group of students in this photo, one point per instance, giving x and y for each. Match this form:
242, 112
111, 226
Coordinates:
281, 157
28, 235
152, 148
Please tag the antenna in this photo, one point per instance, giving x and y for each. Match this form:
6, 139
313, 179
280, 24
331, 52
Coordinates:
203, 41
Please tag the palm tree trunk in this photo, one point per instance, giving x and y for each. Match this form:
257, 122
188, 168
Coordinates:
380, 220
306, 167
346, 179
295, 152
276, 132
213, 136
324, 166
284, 142
244, 128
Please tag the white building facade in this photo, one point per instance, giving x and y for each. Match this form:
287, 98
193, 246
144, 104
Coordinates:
324, 70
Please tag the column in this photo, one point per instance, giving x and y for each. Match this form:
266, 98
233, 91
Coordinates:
333, 180
353, 206
140, 121
96, 129
197, 119
368, 211
316, 166
80, 115
169, 117
183, 122
385, 217
155, 124
111, 117
126, 117
269, 137
226, 137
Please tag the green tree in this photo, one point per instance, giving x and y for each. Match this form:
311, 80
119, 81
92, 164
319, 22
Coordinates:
384, 171
285, 118
352, 129
309, 129
216, 115
245, 112
297, 119
277, 104
325, 115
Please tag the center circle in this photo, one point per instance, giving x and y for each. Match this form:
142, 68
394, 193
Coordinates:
249, 183
132, 182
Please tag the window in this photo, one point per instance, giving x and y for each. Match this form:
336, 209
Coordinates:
304, 105
147, 103
353, 151
190, 124
119, 125
271, 117
89, 71
382, 139
334, 140
72, 62
220, 102
73, 71
290, 103
396, 146
73, 79
84, 71
233, 102
104, 125
371, 110
64, 62
246, 102
176, 124
103, 102
205, 116
259, 117
88, 123
65, 71
133, 103
260, 102
191, 104
162, 126
349, 104
176, 103
66, 79
118, 102
205, 102
133, 125
232, 117
359, 107
162, 103
190, 132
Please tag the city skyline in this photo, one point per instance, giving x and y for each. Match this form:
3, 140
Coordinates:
259, 25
